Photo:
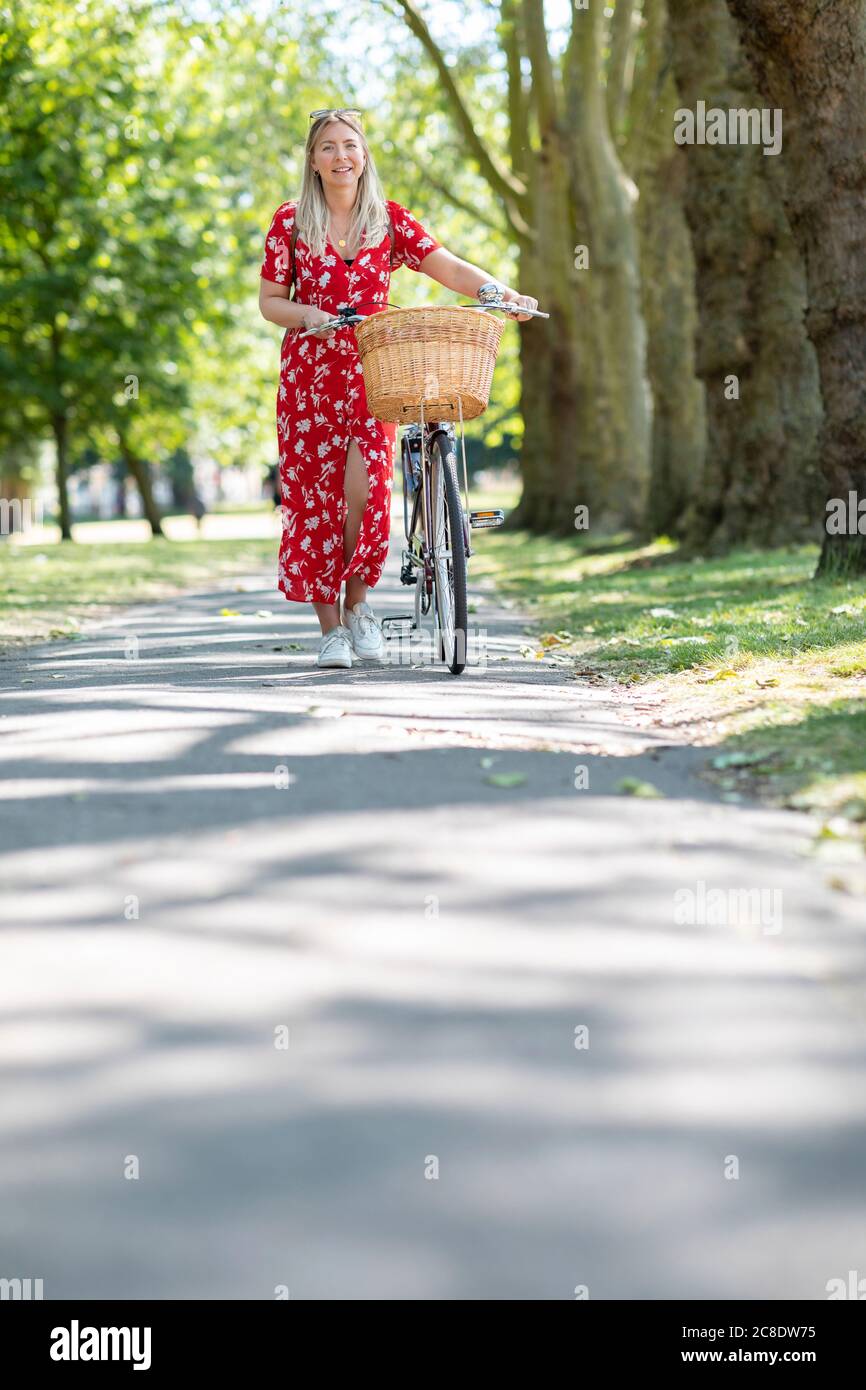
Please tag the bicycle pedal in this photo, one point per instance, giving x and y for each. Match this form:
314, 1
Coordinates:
491, 516
397, 618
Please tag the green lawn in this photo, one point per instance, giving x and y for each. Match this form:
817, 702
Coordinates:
49, 590
748, 647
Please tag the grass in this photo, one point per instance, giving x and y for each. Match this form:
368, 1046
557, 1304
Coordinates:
745, 652
49, 589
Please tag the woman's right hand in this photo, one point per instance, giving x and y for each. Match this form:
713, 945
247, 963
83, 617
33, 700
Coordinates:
314, 316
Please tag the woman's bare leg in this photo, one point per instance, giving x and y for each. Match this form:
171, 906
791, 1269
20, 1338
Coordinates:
356, 487
328, 615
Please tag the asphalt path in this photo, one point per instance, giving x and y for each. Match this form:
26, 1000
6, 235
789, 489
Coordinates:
373, 984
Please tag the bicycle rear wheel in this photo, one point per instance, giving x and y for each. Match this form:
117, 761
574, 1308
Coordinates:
448, 547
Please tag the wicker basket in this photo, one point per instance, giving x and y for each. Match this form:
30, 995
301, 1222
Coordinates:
440, 355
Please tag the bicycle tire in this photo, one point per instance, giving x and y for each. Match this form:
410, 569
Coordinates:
449, 573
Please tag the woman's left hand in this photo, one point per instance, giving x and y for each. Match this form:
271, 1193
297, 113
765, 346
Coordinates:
524, 300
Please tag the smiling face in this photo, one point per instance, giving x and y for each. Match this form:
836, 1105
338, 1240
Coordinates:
338, 155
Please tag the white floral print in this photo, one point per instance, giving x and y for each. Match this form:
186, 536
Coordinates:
322, 404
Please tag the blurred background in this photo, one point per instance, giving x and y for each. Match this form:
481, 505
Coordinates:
696, 396
146, 146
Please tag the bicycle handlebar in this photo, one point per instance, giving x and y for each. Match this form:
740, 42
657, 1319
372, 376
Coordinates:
488, 295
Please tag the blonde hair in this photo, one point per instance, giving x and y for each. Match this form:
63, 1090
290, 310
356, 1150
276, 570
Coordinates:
369, 213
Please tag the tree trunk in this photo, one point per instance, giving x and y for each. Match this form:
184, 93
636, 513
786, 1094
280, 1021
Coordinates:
658, 165
619, 64
761, 479
583, 394
809, 60
553, 400
613, 360
140, 471
60, 427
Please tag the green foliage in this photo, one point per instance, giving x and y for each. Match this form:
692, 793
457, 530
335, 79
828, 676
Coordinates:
145, 149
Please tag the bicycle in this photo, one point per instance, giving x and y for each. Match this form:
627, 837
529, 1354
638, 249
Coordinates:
438, 545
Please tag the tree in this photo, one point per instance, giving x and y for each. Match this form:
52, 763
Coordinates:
131, 142
612, 353
667, 274
57, 157
761, 481
809, 61
558, 184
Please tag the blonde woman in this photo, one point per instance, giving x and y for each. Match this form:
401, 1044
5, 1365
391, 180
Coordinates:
338, 243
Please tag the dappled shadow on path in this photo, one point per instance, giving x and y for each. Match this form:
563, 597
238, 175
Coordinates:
214, 843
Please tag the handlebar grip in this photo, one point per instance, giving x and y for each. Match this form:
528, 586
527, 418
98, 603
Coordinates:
341, 321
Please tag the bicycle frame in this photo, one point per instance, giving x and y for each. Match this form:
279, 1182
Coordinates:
424, 432
424, 552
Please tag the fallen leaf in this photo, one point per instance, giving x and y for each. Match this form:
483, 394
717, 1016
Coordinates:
633, 786
726, 675
765, 684
506, 779
828, 832
739, 759
840, 884
229, 613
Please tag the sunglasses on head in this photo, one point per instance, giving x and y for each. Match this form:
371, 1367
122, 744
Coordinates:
335, 111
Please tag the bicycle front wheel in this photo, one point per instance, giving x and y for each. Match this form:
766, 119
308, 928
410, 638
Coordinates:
448, 550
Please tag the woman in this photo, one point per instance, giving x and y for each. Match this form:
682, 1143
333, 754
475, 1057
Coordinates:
336, 460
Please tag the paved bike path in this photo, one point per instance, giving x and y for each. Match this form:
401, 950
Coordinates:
371, 1025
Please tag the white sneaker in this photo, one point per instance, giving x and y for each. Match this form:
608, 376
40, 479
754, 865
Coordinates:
368, 640
335, 648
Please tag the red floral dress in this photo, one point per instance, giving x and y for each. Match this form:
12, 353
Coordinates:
322, 405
